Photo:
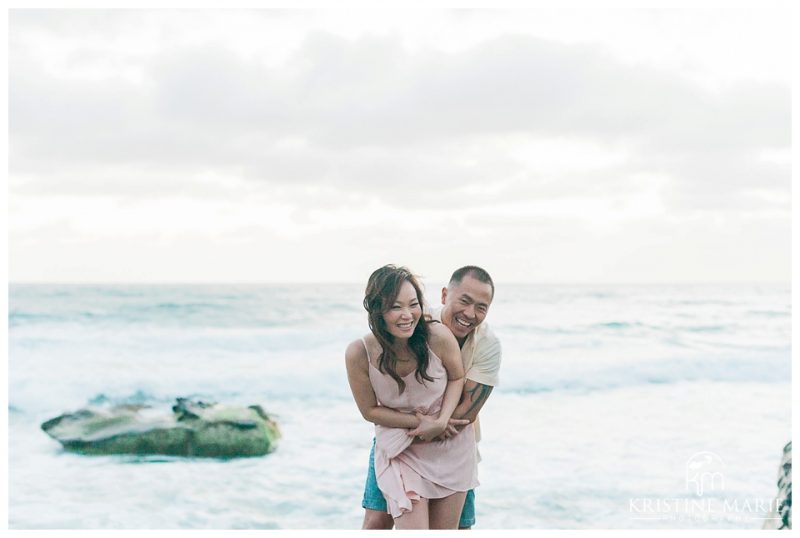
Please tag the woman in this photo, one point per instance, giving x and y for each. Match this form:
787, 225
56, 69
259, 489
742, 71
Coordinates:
406, 377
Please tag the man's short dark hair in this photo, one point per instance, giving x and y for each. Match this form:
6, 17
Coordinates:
475, 272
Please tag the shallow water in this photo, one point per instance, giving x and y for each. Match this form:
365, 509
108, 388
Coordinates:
606, 394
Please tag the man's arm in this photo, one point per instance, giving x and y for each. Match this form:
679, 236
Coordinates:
485, 368
472, 399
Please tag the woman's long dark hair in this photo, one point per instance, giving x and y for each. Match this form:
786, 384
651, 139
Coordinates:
383, 287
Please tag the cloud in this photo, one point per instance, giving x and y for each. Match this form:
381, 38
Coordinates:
285, 131
363, 107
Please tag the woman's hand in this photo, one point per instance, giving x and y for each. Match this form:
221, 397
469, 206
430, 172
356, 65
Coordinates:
432, 426
429, 427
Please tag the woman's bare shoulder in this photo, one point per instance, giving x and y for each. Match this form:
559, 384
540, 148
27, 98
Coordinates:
356, 353
438, 329
440, 335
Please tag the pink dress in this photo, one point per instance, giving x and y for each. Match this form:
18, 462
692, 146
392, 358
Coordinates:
433, 470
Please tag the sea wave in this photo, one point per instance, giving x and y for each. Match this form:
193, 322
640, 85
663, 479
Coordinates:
159, 342
539, 376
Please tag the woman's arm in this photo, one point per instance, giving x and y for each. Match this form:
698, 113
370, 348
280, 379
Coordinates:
445, 346
451, 358
358, 377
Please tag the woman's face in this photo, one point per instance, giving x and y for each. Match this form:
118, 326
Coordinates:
403, 315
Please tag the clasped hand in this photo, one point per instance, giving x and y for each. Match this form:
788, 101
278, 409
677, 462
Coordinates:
432, 427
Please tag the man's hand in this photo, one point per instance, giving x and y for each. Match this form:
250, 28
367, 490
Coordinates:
472, 399
454, 426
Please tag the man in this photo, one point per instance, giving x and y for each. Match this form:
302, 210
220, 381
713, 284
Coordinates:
466, 301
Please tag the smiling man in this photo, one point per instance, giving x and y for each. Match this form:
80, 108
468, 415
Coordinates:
466, 301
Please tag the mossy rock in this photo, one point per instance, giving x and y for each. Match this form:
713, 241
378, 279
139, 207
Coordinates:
193, 429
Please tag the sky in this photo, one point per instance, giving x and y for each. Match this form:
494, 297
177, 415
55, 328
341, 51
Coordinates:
547, 146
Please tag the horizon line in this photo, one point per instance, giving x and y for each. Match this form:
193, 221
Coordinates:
300, 283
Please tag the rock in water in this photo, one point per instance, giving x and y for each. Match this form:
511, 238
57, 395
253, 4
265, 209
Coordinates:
194, 429
781, 517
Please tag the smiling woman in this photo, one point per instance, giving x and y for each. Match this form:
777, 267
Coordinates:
401, 319
406, 377
394, 303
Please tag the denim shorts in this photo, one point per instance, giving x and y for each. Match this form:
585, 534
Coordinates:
373, 498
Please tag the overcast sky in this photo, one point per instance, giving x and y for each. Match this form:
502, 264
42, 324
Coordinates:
288, 146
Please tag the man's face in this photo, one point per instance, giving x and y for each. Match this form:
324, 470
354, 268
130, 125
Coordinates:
465, 305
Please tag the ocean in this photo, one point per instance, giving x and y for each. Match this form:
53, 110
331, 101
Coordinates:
608, 396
